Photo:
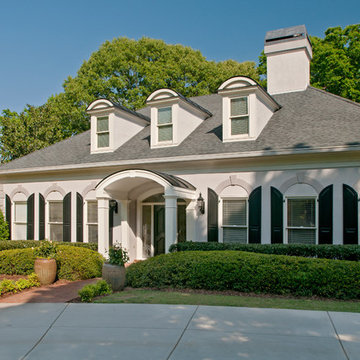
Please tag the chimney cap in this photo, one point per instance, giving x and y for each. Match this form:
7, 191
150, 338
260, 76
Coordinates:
286, 34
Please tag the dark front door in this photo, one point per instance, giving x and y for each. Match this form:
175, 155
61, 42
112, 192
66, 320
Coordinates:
159, 229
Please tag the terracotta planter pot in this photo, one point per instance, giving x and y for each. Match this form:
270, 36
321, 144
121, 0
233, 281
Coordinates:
114, 275
45, 269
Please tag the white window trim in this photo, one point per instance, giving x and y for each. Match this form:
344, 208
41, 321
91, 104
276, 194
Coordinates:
102, 132
86, 235
14, 222
220, 218
49, 223
231, 117
286, 227
167, 142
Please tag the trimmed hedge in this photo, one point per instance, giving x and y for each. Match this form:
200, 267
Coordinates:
17, 262
73, 263
335, 252
249, 272
78, 263
22, 244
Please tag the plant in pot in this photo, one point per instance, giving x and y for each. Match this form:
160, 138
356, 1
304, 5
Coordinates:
113, 271
45, 263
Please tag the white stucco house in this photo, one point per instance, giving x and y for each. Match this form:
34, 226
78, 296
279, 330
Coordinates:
242, 165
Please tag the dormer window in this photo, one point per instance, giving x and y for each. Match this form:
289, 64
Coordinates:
246, 108
102, 132
173, 117
112, 125
239, 115
164, 124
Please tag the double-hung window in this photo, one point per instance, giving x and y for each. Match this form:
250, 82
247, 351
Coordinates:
56, 220
20, 220
234, 221
239, 116
301, 220
92, 221
165, 125
102, 132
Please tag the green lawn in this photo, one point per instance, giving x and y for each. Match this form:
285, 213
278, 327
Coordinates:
146, 296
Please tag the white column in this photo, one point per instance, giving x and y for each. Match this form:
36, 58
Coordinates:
103, 226
170, 221
191, 221
124, 224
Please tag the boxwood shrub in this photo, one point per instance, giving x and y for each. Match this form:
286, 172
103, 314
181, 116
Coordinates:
339, 252
76, 263
17, 262
73, 263
21, 244
249, 272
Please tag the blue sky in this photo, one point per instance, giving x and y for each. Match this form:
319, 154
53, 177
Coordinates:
44, 41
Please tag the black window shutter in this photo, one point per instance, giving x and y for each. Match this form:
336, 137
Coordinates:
8, 213
212, 213
277, 206
326, 215
41, 217
79, 217
255, 216
30, 218
350, 215
67, 218
111, 225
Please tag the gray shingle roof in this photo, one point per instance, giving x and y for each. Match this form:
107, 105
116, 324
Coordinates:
309, 119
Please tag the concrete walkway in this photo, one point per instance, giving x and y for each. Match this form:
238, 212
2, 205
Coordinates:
136, 331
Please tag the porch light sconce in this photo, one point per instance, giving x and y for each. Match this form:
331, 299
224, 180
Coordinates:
201, 204
113, 205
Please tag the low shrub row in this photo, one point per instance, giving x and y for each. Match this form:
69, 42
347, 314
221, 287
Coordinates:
88, 292
249, 272
73, 263
335, 252
22, 244
10, 286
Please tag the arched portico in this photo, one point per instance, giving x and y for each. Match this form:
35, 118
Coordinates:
127, 187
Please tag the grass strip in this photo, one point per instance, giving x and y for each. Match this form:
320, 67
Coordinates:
150, 296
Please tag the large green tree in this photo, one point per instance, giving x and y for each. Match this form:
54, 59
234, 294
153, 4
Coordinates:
335, 66
124, 71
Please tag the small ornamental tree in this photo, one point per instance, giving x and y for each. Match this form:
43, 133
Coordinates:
4, 228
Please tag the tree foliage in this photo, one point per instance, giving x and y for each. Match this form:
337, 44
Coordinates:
336, 62
335, 66
123, 70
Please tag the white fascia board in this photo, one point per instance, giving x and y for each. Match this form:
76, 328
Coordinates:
189, 158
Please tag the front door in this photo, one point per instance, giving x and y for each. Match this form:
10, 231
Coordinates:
159, 229
153, 225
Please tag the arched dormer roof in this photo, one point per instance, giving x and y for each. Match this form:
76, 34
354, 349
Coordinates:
237, 82
162, 94
105, 104
168, 94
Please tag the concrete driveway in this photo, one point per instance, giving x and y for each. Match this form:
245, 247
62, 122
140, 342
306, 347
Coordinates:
135, 331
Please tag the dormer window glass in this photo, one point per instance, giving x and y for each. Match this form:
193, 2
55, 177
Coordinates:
164, 124
239, 116
102, 131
